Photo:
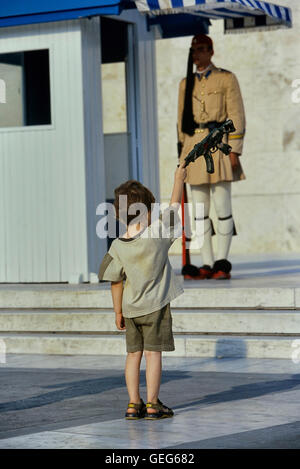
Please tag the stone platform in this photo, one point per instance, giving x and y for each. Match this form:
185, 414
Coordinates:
255, 314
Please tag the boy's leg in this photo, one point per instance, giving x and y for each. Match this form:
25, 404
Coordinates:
153, 376
132, 377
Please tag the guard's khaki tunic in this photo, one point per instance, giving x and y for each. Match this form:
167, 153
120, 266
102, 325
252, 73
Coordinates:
216, 97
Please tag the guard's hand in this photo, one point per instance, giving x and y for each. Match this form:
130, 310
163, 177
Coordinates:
180, 173
234, 160
120, 322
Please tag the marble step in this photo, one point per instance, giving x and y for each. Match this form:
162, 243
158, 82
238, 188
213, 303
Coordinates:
64, 296
185, 345
185, 321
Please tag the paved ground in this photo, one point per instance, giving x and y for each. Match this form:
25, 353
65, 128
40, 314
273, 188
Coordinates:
79, 402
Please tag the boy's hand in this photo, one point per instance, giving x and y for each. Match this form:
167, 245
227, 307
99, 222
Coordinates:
120, 322
180, 173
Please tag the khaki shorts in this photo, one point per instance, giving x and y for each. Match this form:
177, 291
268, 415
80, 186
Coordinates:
151, 332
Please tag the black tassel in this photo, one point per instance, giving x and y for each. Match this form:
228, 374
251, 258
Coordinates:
188, 123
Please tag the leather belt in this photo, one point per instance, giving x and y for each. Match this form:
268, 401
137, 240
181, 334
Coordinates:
208, 125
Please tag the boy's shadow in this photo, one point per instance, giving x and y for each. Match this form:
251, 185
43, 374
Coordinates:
69, 390
89, 387
245, 391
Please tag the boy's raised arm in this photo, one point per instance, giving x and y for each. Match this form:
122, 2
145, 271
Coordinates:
179, 177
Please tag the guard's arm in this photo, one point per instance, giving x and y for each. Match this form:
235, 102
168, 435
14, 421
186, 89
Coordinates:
235, 112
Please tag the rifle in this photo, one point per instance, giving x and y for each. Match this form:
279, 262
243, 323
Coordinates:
210, 144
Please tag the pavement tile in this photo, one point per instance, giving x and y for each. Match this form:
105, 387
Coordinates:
212, 400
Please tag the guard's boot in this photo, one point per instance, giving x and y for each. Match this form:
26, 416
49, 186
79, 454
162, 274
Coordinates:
221, 270
190, 272
205, 272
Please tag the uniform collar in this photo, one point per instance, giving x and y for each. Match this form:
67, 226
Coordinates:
205, 72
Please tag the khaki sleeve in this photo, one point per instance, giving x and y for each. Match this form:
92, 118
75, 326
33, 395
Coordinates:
180, 110
235, 112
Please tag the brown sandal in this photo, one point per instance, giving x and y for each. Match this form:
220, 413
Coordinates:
163, 412
140, 411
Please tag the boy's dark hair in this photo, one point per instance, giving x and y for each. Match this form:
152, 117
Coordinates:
136, 193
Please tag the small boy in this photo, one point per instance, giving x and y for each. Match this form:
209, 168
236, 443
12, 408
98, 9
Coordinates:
142, 306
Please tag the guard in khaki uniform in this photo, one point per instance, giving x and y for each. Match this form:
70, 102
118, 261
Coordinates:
206, 99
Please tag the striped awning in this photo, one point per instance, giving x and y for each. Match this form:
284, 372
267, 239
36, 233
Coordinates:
239, 15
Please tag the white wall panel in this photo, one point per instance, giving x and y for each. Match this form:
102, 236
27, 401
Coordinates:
52, 177
95, 192
43, 234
